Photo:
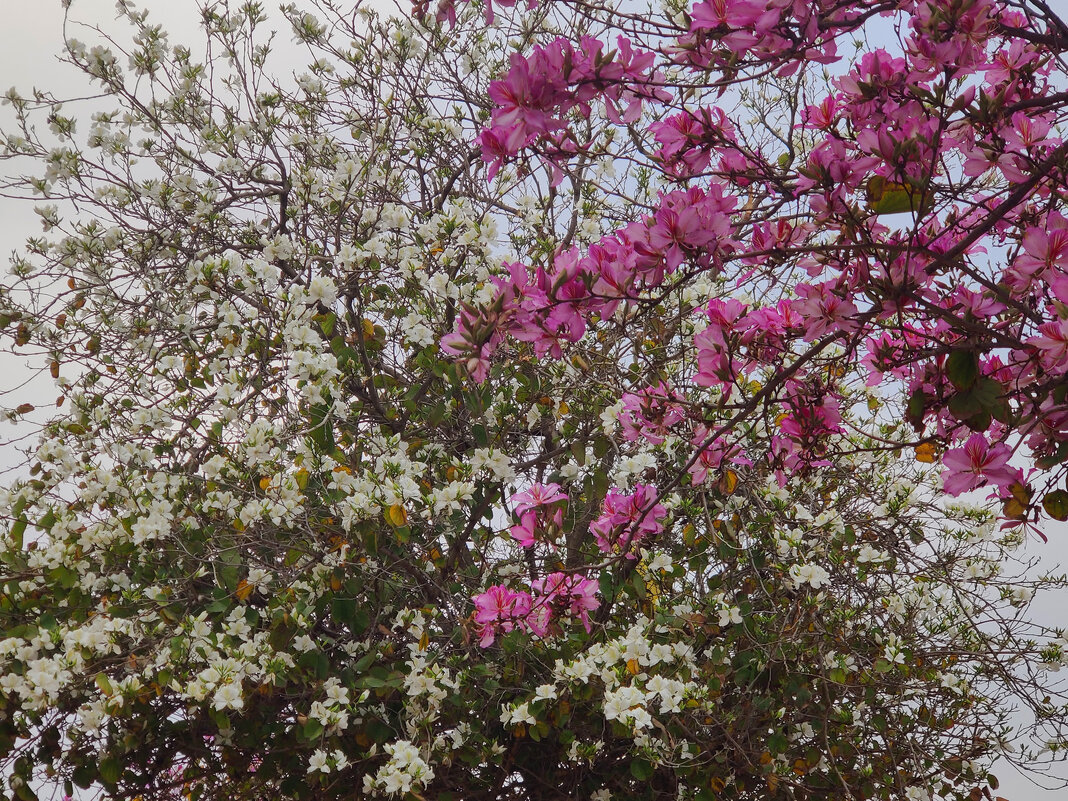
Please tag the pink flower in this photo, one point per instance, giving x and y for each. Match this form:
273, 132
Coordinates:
650, 413
538, 495
540, 509
976, 464
1045, 252
500, 609
567, 594
1052, 345
714, 455
628, 519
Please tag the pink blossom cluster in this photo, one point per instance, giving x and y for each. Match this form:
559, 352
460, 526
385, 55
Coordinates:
499, 610
627, 520
650, 414
541, 514
914, 269
548, 306
712, 452
533, 99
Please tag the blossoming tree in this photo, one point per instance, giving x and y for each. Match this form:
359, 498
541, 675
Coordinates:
564, 435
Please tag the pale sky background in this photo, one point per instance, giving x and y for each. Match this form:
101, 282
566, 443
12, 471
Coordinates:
31, 35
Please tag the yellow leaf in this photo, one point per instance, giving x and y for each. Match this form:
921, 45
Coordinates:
302, 478
238, 525
728, 483
265, 483
716, 784
652, 591
244, 590
1014, 510
632, 667
368, 329
891, 197
563, 408
773, 782
424, 641
396, 515
925, 452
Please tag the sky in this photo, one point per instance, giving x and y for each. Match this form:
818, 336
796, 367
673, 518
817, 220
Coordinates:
31, 37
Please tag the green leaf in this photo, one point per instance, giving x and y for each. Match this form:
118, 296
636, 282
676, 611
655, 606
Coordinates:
637, 581
641, 770
322, 432
110, 770
84, 776
979, 404
63, 577
891, 197
914, 411
17, 532
228, 575
343, 610
326, 322
778, 743
988, 392
311, 730
104, 683
962, 368
964, 405
1055, 458
1056, 504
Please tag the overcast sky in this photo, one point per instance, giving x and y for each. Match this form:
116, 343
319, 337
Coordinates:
30, 42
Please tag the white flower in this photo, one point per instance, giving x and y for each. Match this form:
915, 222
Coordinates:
660, 563
729, 615
519, 714
228, 696
872, 555
322, 289
814, 575
319, 762
545, 692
